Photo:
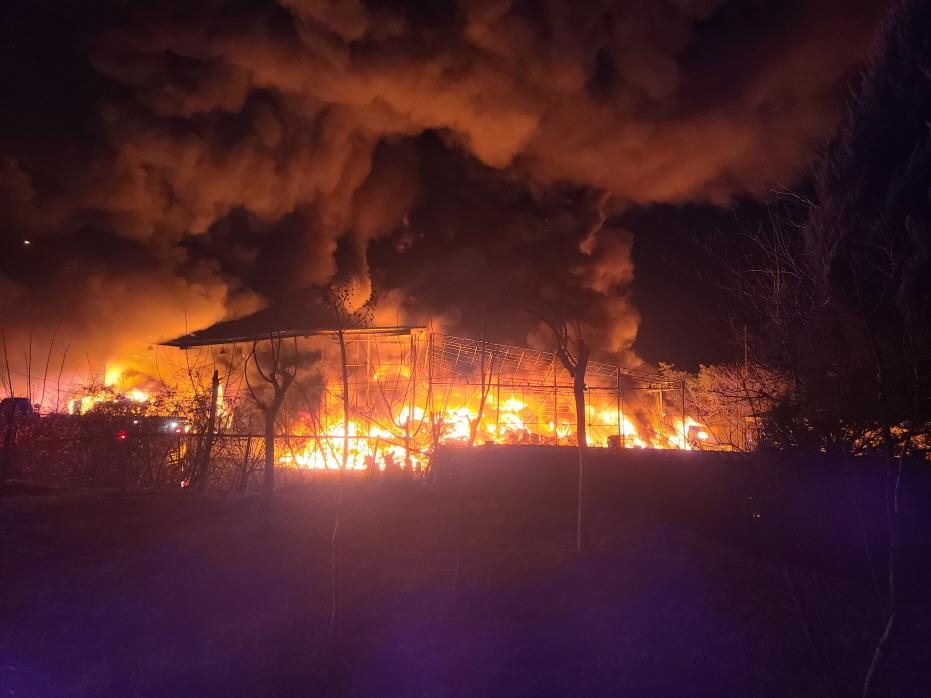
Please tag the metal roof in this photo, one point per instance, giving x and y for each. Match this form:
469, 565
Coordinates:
303, 317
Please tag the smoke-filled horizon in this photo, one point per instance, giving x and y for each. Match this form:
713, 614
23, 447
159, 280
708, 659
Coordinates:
164, 165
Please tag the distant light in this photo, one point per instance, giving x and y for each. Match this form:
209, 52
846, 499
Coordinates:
27, 243
121, 435
703, 435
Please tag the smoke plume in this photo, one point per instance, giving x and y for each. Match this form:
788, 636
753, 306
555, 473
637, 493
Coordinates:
173, 164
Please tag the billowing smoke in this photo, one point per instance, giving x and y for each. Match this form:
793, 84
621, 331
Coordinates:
218, 155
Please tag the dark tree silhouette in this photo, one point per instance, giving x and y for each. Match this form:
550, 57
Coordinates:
573, 352
844, 298
277, 367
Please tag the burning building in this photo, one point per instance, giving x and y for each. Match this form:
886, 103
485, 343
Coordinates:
385, 397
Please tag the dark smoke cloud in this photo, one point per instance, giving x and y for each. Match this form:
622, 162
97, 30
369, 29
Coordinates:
449, 153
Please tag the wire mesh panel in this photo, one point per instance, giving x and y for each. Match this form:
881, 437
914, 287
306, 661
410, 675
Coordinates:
514, 394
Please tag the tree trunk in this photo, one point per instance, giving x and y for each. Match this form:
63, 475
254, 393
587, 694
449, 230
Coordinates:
335, 543
578, 389
203, 457
268, 482
246, 466
579, 393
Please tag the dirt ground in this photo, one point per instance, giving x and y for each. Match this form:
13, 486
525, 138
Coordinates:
108, 593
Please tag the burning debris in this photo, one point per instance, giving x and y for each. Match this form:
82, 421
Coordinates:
410, 389
381, 398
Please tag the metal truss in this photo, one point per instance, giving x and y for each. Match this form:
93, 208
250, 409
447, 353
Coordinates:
461, 356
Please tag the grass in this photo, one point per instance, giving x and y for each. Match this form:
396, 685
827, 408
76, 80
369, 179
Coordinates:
109, 593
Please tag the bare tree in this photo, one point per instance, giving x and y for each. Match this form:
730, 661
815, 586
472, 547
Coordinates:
345, 314
15, 409
8, 415
843, 299
197, 398
201, 466
573, 352
277, 369
733, 397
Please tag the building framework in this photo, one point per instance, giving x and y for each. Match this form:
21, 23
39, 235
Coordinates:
411, 389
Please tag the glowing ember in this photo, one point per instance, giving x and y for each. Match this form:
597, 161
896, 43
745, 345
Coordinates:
405, 401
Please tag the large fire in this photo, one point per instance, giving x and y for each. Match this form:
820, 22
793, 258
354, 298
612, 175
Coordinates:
409, 394
413, 390
113, 389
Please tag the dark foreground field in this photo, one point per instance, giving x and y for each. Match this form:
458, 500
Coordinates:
108, 593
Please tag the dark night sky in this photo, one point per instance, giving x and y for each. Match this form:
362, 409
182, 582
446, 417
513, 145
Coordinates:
687, 314
172, 164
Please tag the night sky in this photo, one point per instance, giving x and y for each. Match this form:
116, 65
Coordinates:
175, 164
